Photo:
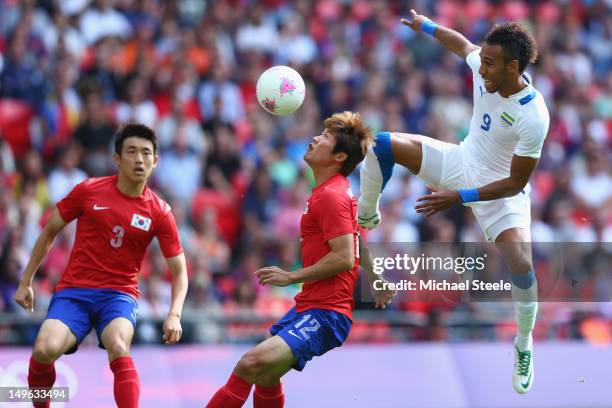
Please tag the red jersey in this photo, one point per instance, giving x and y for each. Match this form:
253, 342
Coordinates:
331, 211
113, 233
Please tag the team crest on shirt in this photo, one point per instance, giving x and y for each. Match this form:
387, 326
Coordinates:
507, 120
140, 222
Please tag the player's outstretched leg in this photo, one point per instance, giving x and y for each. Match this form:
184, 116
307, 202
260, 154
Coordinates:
116, 338
515, 247
53, 340
264, 365
375, 173
377, 169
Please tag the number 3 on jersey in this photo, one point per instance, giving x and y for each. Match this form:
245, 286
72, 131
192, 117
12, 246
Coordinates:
486, 122
117, 241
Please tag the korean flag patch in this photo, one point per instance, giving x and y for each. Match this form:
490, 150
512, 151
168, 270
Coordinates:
141, 222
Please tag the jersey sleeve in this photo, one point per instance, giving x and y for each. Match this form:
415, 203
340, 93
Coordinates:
531, 135
167, 235
71, 206
335, 213
473, 60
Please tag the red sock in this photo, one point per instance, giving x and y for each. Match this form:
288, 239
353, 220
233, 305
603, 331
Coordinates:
127, 384
269, 397
41, 375
231, 395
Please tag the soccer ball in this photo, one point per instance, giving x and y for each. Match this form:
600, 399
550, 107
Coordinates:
280, 90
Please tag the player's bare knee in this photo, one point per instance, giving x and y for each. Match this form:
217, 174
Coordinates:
48, 349
118, 348
407, 150
250, 366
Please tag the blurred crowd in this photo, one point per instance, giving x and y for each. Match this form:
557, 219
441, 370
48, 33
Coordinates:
72, 70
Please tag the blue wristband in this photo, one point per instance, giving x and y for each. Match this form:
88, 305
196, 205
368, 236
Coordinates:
429, 27
469, 195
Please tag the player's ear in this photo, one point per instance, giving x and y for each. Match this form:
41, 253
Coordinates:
155, 159
340, 156
116, 158
513, 66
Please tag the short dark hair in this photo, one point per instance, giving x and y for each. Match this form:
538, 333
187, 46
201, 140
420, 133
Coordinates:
353, 137
134, 130
516, 43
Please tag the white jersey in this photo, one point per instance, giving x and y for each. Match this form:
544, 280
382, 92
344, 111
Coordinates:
502, 127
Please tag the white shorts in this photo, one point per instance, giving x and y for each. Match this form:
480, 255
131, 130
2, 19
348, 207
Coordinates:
443, 166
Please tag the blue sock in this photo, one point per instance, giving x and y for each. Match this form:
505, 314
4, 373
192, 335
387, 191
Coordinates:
524, 281
376, 171
525, 297
384, 155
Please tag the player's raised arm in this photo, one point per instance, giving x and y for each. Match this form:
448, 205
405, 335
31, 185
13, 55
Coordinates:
24, 295
172, 325
450, 39
521, 169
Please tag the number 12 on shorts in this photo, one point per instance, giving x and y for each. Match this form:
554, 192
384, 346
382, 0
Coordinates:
314, 326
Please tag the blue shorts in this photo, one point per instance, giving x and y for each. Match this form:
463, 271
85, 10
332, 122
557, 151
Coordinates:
82, 309
312, 333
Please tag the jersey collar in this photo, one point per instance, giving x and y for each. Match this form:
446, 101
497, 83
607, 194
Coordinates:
144, 196
328, 181
526, 94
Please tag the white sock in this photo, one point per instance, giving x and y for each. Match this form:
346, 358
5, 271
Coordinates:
526, 309
371, 184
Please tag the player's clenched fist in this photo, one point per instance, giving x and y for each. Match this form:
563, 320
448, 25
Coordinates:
172, 329
24, 296
416, 20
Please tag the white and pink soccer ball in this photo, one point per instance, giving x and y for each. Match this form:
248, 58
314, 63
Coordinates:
280, 90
